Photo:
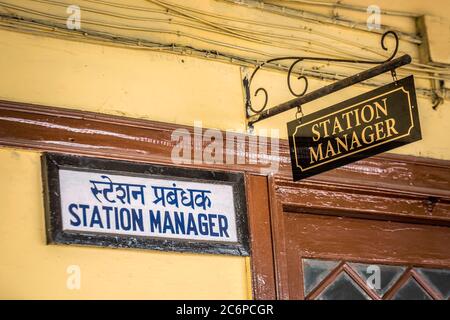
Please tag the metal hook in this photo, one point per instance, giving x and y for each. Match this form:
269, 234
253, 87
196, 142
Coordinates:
299, 112
436, 99
394, 76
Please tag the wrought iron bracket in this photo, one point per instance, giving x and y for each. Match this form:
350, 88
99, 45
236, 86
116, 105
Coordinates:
257, 114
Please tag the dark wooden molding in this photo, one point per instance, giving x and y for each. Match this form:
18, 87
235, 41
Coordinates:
87, 133
262, 262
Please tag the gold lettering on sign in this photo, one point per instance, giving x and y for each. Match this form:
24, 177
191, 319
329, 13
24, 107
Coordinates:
352, 130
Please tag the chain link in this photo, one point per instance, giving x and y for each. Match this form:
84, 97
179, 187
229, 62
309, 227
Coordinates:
299, 112
394, 75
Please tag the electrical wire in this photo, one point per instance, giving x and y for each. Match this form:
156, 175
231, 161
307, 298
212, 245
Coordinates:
322, 34
265, 35
60, 31
191, 21
318, 18
339, 4
261, 40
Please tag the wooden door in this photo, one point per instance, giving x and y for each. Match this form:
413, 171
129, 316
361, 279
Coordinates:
335, 242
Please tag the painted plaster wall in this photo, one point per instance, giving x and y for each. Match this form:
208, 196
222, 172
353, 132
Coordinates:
30, 269
165, 87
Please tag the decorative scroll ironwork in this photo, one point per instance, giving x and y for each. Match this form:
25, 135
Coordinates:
296, 60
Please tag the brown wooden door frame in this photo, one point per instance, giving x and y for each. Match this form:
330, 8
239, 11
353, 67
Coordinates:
419, 220
262, 259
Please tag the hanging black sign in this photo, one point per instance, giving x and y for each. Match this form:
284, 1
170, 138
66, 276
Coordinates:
374, 122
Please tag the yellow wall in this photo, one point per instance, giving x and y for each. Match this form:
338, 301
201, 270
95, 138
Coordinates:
165, 87
31, 269
158, 86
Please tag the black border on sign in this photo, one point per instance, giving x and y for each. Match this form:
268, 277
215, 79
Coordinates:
407, 84
53, 162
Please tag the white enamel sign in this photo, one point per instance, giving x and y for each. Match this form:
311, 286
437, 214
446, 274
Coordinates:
103, 203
